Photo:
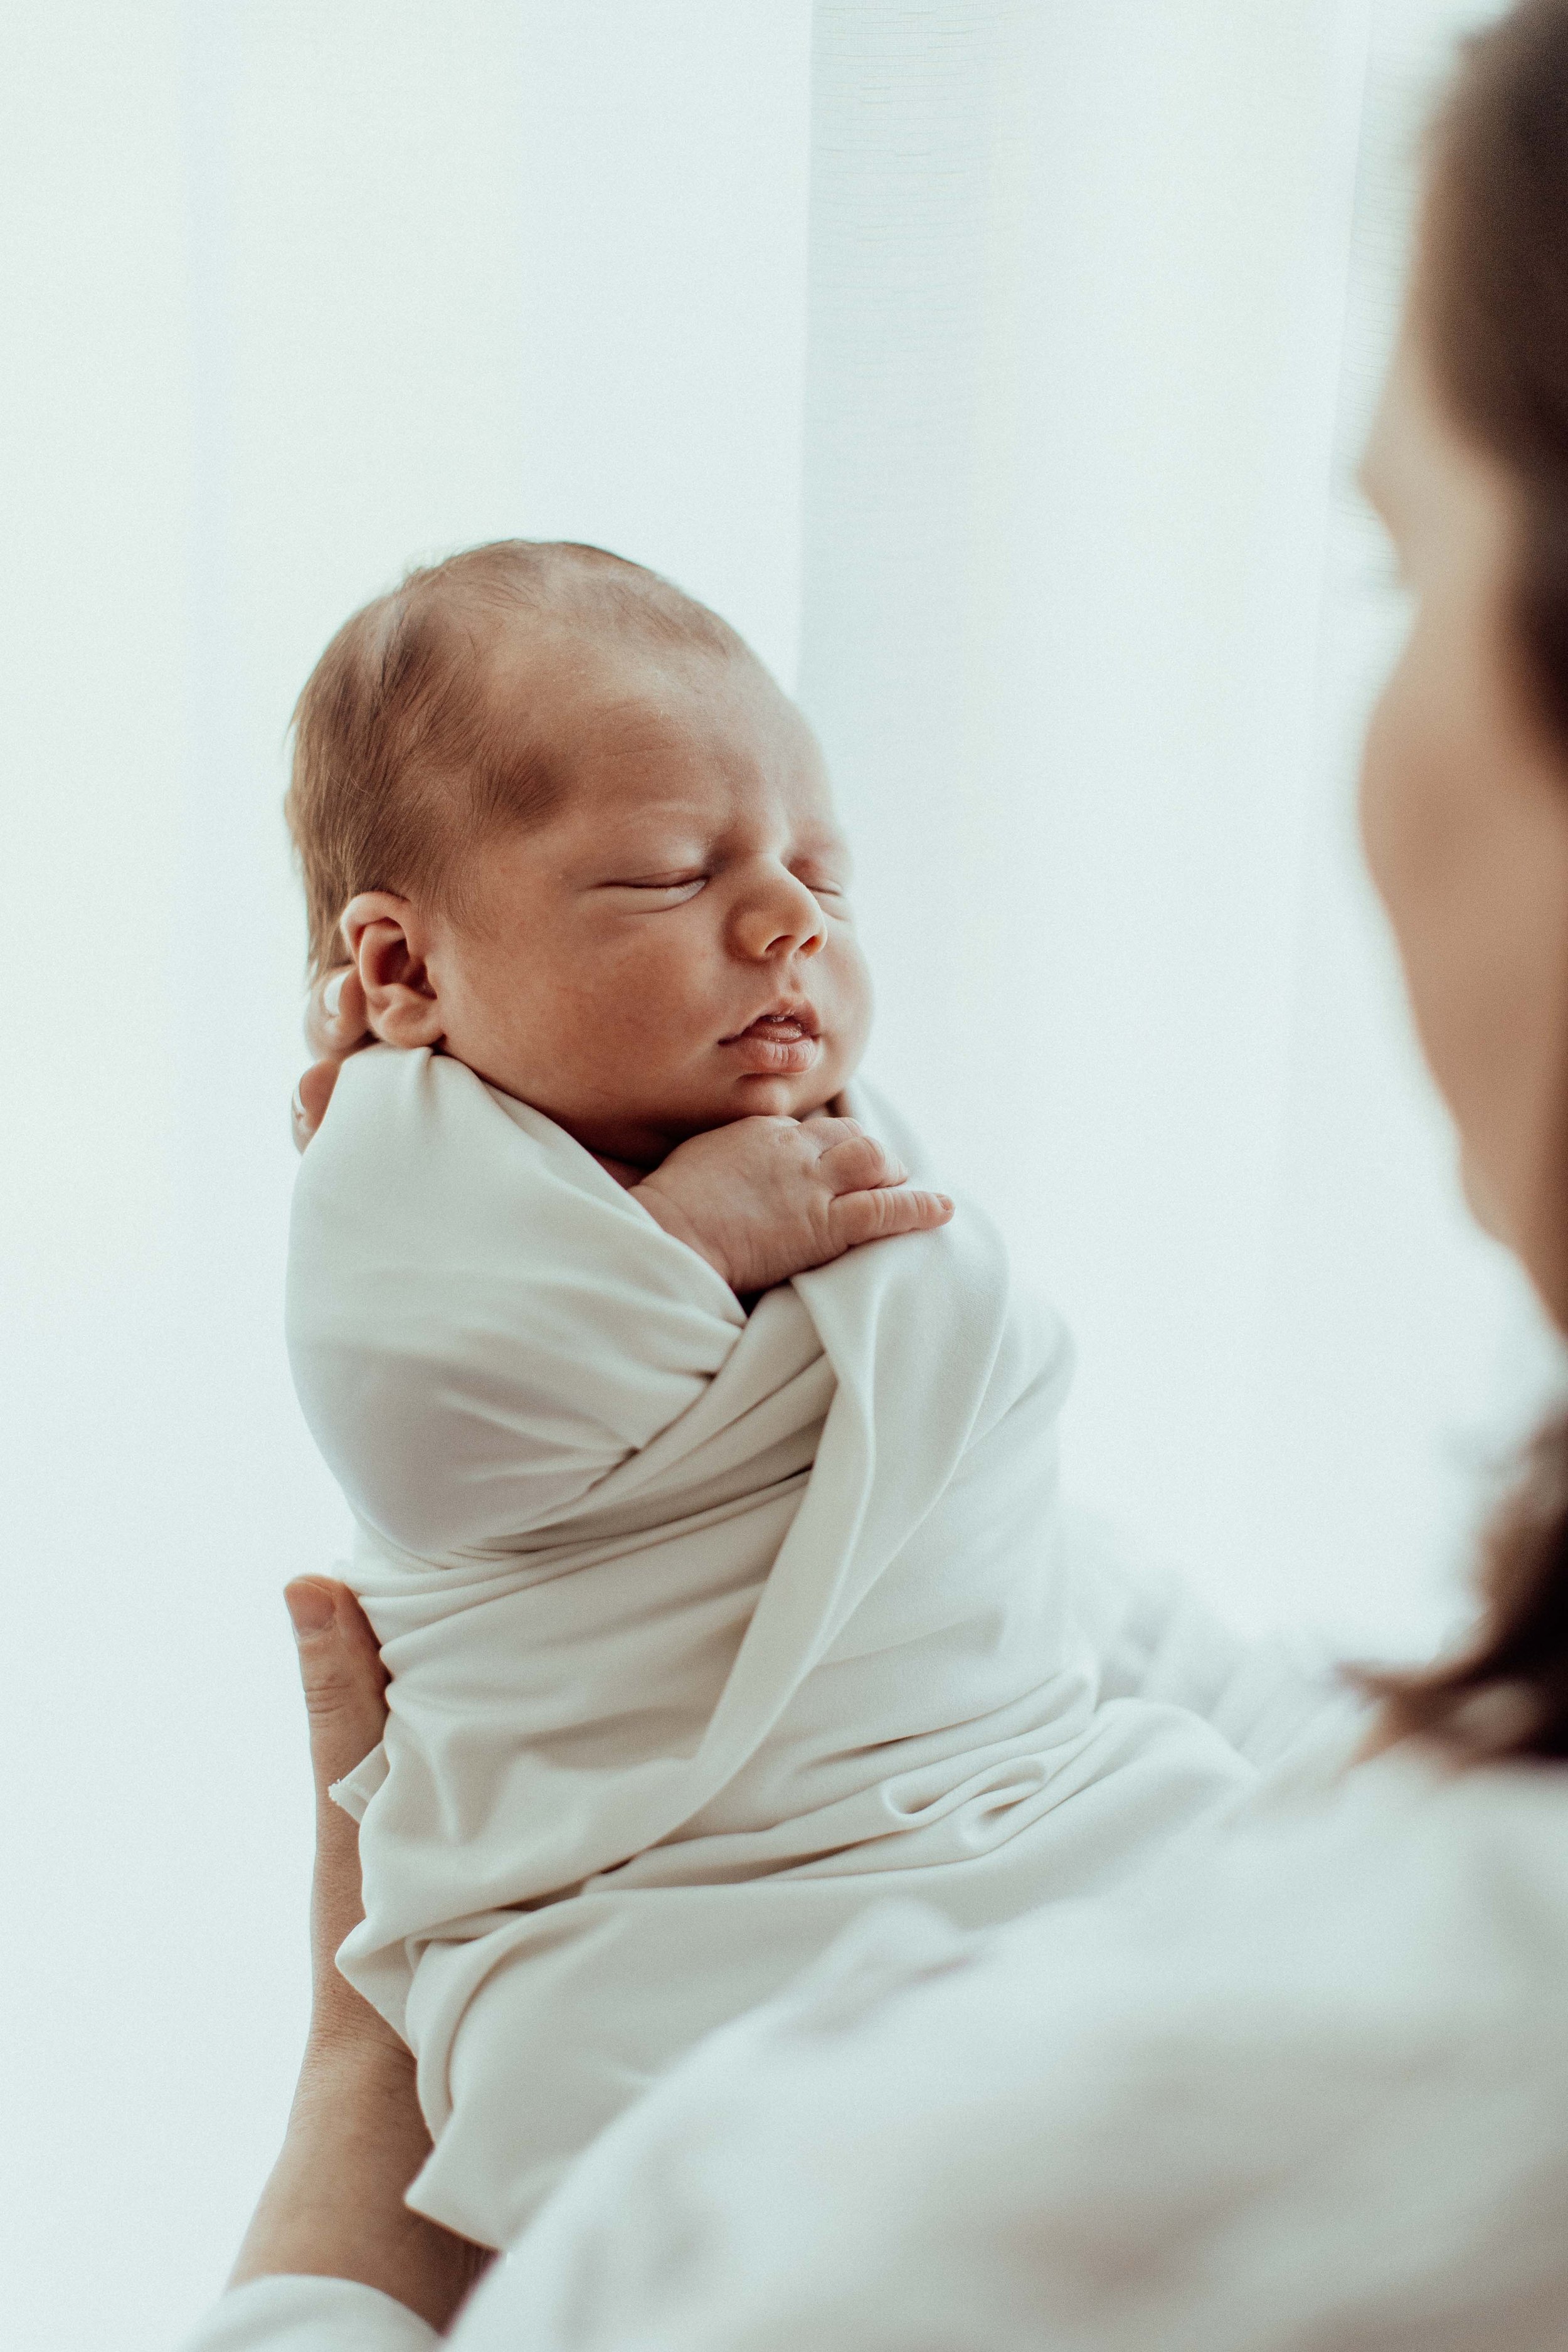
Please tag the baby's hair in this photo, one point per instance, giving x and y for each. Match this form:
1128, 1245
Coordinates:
403, 754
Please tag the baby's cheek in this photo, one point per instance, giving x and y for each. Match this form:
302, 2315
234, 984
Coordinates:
852, 988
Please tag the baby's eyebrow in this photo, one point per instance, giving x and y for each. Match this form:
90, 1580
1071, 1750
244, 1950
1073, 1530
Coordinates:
637, 831
636, 828
831, 845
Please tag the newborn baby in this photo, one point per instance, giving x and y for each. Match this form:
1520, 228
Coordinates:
706, 1626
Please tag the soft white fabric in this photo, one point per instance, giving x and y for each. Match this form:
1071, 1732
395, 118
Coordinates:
309, 2314
1307, 2087
1153, 1639
1303, 2088
701, 1627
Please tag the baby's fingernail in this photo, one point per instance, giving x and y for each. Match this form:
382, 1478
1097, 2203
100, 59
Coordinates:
332, 994
297, 1103
311, 1608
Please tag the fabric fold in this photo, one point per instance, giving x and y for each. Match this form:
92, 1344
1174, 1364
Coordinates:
705, 1629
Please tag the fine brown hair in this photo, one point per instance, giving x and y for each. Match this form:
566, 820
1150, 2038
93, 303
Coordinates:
405, 754
1491, 307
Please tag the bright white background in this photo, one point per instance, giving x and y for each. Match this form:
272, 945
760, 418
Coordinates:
1014, 417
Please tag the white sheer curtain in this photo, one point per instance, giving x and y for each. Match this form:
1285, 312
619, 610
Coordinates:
1003, 363
1098, 298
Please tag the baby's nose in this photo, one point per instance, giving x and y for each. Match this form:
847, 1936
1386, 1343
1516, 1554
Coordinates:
782, 919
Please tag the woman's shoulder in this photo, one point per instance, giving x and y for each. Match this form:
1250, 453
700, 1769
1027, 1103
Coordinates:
1357, 1894
1411, 1836
1315, 2069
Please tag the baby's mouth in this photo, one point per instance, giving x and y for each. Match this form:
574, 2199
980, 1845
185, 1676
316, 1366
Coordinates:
779, 1024
781, 1043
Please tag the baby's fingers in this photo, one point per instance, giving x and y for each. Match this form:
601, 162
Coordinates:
877, 1215
859, 1164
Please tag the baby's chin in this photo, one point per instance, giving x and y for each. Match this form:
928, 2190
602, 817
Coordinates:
784, 1097
653, 1123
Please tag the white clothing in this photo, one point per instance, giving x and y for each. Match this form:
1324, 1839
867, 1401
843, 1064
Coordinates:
310, 2315
705, 1630
1301, 2088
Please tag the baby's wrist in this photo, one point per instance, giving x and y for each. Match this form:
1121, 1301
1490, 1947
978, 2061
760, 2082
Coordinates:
667, 1212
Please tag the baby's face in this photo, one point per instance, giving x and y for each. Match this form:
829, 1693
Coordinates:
672, 948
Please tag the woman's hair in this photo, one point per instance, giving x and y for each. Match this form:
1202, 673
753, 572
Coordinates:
406, 753
1491, 305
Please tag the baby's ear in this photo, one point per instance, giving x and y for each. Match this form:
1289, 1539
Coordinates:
385, 936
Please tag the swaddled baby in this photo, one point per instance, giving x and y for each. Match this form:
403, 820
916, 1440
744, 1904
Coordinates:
717, 1604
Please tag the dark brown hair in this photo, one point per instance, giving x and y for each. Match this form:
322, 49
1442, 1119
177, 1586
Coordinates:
404, 753
1491, 305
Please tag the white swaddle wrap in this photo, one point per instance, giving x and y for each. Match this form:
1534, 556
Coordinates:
700, 1624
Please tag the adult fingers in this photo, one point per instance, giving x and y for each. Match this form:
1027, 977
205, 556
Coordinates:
343, 1678
878, 1216
344, 1682
337, 1020
311, 1096
337, 1024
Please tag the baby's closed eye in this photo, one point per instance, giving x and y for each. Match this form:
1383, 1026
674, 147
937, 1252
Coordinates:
670, 889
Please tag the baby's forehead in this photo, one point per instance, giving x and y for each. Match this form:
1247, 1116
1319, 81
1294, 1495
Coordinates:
569, 669
639, 724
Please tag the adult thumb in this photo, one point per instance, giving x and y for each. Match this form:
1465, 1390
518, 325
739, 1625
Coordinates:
341, 1671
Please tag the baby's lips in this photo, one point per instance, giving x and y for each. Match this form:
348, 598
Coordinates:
791, 1014
778, 1053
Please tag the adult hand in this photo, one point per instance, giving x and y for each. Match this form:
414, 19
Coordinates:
344, 1684
333, 2207
337, 1024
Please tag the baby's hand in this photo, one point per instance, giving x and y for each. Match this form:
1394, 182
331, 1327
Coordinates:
766, 1198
